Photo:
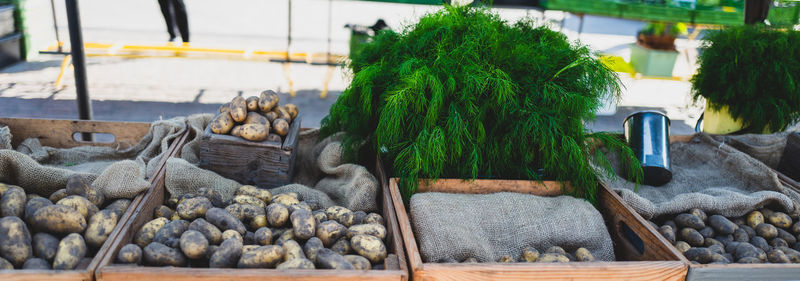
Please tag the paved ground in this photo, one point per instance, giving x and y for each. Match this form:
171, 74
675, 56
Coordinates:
150, 89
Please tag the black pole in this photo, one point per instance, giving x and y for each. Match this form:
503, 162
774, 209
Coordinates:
55, 23
79, 63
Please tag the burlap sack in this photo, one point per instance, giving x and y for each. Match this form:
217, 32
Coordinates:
5, 138
21, 170
486, 227
766, 148
196, 124
711, 176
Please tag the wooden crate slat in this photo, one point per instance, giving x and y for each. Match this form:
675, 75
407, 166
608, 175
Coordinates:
59, 133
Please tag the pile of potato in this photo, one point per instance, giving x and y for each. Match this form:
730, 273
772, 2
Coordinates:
257, 230
762, 236
552, 254
255, 118
67, 228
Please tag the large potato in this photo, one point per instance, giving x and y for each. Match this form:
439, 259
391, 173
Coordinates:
211, 232
330, 231
302, 205
119, 206
224, 220
311, 248
245, 212
13, 202
33, 205
267, 101
249, 200
238, 109
100, 226
15, 241
193, 208
78, 185
280, 127
194, 245
214, 196
45, 246
262, 257
296, 264
370, 247
86, 208
58, 219
227, 255
130, 253
376, 230
148, 231
254, 132
328, 259
252, 103
303, 224
292, 250
71, 250
277, 214
262, 194
222, 123
160, 255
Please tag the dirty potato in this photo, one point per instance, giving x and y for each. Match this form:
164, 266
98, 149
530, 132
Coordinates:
376, 230
328, 259
119, 206
214, 196
148, 231
249, 200
211, 232
45, 246
311, 248
163, 212
341, 215
100, 226
160, 255
274, 138
582, 254
245, 212
222, 123
342, 246
227, 255
254, 132
374, 218
36, 263
280, 127
358, 262
529, 254
252, 103
193, 208
130, 253
171, 230
267, 100
780, 219
13, 202
71, 250
224, 220
58, 195
292, 109
330, 231
296, 264
78, 185
370, 247
263, 236
271, 116
262, 257
303, 224
277, 214
58, 219
86, 208
255, 118
292, 250
262, 194
193, 244
15, 241
33, 205
238, 109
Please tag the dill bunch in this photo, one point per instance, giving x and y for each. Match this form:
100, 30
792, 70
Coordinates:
753, 70
464, 94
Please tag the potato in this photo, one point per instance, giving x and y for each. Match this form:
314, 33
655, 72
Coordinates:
160, 255
232, 234
341, 215
760, 242
13, 202
691, 236
71, 250
254, 132
227, 255
786, 236
78, 185
553, 257
529, 254
296, 264
707, 232
245, 212
263, 236
222, 123
582, 254
5, 265
792, 254
277, 214
271, 116
224, 220
319, 216
708, 242
171, 230
301, 205
767, 231
312, 246
33, 205
262, 257
211, 232
555, 250
701, 255
722, 225
667, 232
370, 247
342, 246
262, 194
740, 235
280, 127
238, 109
303, 224
119, 206
193, 244
249, 200
743, 250
255, 118
778, 242
376, 230
328, 259
15, 240
252, 103
699, 213
226, 107
193, 208
718, 259
236, 131
283, 113
777, 256
100, 226
130, 253
36, 263
766, 212
274, 138
45, 246
796, 228
780, 219
285, 199
502, 259
754, 219
163, 212
689, 220
292, 110
292, 250
329, 232
148, 231
58, 195
374, 218
259, 221
82, 205
749, 230
749, 260
268, 100
58, 219
285, 236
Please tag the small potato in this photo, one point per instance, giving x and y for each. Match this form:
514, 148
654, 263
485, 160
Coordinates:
212, 195
245, 212
301, 205
36, 263
130, 253
376, 230
222, 123
778, 242
5, 265
285, 199
504, 259
274, 138
707, 232
86, 208
225, 108
292, 250
358, 262
749, 230
280, 127
271, 116
211, 232
691, 236
296, 264
193, 244
119, 206
341, 215
330, 231
249, 200
740, 235
698, 213
529, 254
292, 109
328, 259
252, 103
262, 257
262, 194
358, 217
754, 219
13, 202
15, 240
786, 236
148, 231
263, 236
689, 220
227, 255
236, 131
71, 250
224, 220
722, 225
701, 255
259, 221
238, 109
311, 248
743, 250
303, 224
760, 242
58, 195
708, 242
277, 214
100, 226
555, 250
780, 219
230, 233
58, 219
33, 205
374, 218
78, 185
342, 247
777, 256
45, 246
193, 208
160, 255
163, 212
370, 247
767, 231
319, 216
796, 228
254, 132
171, 230
582, 254
283, 113
552, 257
268, 100
667, 232
285, 236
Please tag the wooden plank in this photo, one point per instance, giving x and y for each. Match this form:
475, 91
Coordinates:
655, 270
291, 138
744, 272
392, 226
59, 133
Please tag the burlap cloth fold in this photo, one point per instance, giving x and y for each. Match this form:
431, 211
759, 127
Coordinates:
711, 176
320, 176
486, 227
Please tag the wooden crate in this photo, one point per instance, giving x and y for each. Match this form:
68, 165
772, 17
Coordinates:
59, 133
656, 261
264, 164
396, 268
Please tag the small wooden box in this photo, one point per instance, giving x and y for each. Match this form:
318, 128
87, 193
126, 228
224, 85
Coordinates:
264, 164
645, 255
60, 134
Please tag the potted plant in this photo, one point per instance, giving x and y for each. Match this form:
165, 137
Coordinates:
654, 53
750, 78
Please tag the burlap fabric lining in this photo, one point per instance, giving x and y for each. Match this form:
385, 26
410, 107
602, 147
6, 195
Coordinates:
119, 172
320, 176
765, 148
711, 176
486, 227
